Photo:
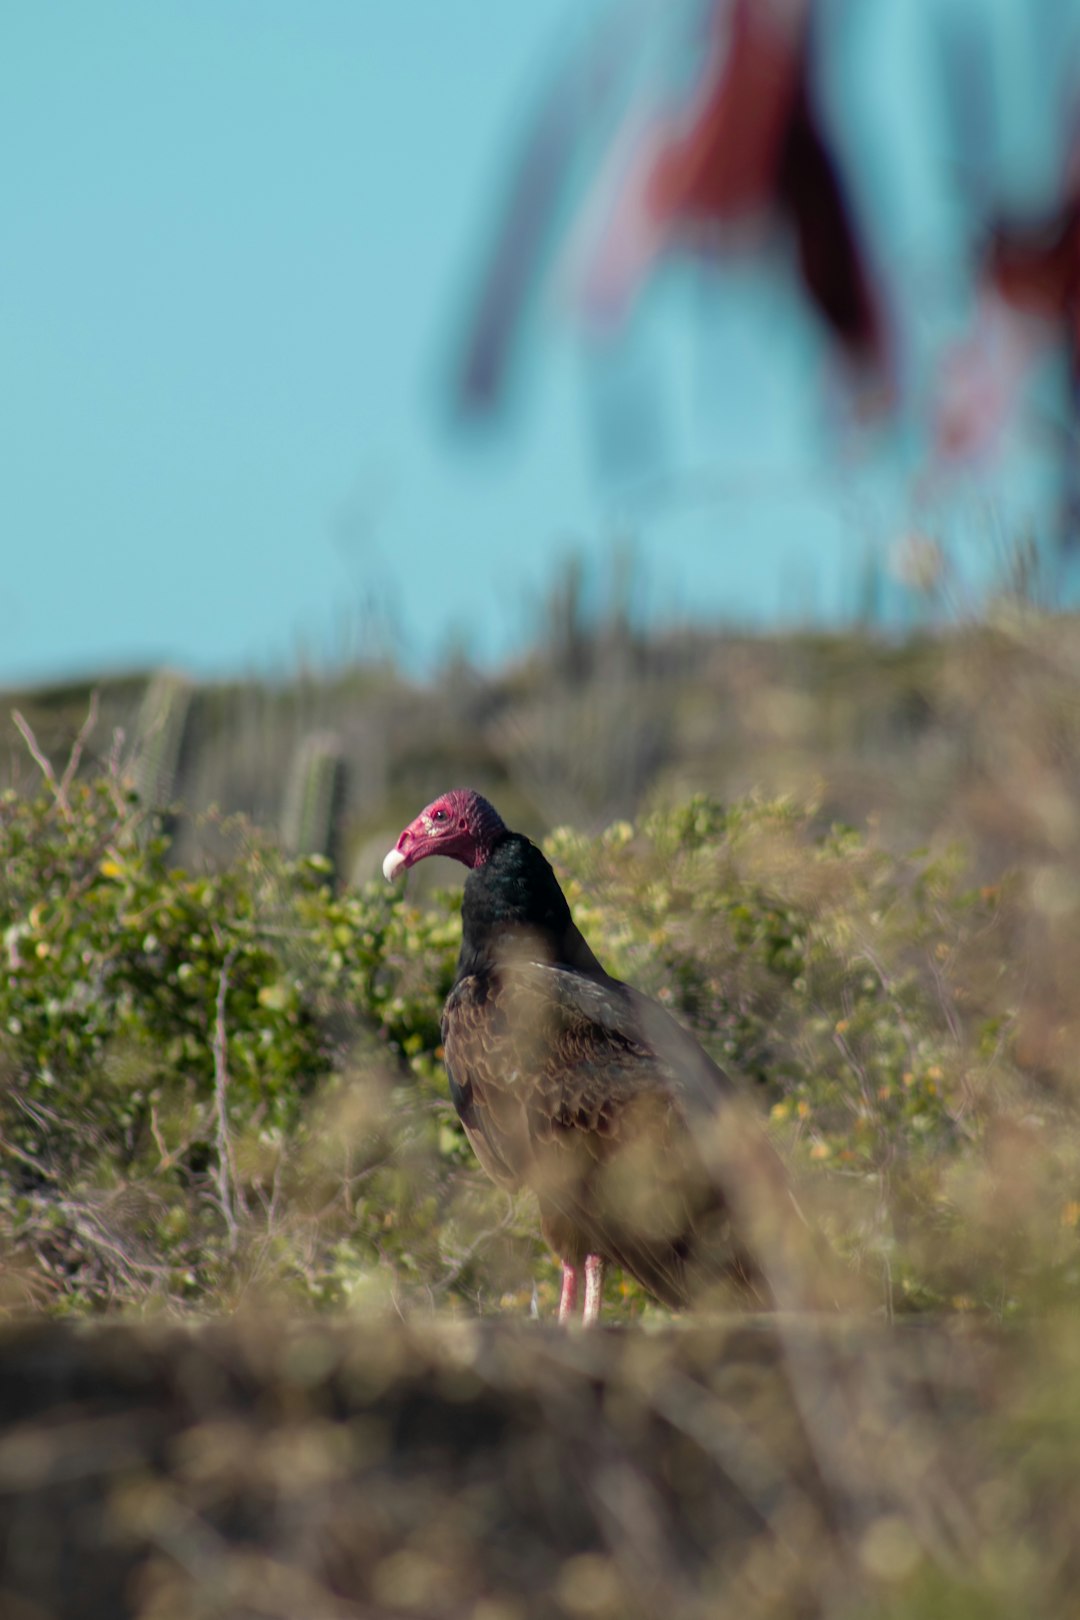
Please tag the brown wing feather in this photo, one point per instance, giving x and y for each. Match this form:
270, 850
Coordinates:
588, 1093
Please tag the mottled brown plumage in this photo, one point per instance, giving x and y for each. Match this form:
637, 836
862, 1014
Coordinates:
575, 1085
560, 1090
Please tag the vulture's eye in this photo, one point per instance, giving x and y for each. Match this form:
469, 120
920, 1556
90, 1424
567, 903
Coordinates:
440, 815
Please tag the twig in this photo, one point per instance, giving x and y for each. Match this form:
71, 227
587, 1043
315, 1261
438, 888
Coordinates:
725, 1436
42, 1116
42, 762
167, 1158
229, 1195
889, 987
78, 745
87, 1224
946, 1003
37, 1165
450, 1277
113, 775
276, 1184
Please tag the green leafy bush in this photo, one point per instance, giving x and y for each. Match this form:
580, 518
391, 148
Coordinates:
177, 1047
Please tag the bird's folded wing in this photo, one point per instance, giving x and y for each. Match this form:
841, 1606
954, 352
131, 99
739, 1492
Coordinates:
537, 1051
555, 1072
595, 1097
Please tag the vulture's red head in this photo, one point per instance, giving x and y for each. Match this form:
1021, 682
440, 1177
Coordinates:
459, 824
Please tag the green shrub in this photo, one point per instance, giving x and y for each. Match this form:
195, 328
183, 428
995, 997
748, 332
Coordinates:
172, 1043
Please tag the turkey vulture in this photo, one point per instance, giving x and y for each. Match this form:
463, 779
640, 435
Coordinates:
577, 1086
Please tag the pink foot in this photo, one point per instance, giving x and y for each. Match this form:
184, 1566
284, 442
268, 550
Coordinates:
568, 1297
594, 1289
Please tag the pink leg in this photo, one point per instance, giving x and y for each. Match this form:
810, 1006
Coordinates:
594, 1289
568, 1297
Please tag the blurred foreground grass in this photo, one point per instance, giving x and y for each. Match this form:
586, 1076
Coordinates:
491, 1469
220, 1092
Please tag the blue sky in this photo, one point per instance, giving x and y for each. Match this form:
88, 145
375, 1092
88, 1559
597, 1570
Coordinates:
235, 236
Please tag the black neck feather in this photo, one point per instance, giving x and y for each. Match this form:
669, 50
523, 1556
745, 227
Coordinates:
513, 905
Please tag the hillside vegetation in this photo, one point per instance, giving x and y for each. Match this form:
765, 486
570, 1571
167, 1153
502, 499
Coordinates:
220, 1078
230, 1080
932, 736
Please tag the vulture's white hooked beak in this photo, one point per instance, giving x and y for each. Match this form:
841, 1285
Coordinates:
392, 865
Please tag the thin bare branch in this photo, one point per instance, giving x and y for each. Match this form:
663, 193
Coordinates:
167, 1159
78, 745
115, 770
42, 762
38, 1166
230, 1196
454, 1271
